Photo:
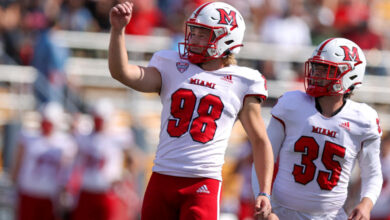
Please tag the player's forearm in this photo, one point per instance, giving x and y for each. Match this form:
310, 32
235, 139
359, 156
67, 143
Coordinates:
264, 164
254, 126
117, 54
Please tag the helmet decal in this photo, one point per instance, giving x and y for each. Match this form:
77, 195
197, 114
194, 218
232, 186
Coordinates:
350, 56
227, 19
322, 46
200, 9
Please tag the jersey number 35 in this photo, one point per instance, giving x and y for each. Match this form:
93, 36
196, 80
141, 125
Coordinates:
305, 172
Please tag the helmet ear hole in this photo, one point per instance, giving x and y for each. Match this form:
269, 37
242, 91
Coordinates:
229, 42
353, 77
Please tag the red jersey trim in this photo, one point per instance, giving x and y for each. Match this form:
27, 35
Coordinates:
281, 121
262, 97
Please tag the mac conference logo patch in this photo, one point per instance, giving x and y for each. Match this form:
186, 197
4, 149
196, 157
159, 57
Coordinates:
182, 66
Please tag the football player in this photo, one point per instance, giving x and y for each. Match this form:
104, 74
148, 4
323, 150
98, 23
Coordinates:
203, 92
318, 136
43, 161
100, 160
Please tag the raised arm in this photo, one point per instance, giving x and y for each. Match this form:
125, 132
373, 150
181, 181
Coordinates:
250, 117
144, 79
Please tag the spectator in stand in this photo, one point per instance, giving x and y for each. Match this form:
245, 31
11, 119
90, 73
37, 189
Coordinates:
49, 59
100, 11
353, 21
365, 36
76, 17
146, 16
33, 19
287, 27
321, 19
10, 13
380, 20
349, 14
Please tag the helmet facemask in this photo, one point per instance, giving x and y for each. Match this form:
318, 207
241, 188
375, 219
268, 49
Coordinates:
324, 78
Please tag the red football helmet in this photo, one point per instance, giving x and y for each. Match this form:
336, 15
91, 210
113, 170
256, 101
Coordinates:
227, 32
336, 67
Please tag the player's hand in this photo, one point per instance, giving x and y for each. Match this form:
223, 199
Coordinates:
262, 207
272, 216
361, 211
120, 15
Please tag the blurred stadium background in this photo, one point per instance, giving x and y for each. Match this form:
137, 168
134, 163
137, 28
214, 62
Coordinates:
56, 50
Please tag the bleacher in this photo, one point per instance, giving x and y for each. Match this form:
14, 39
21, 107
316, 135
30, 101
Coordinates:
88, 68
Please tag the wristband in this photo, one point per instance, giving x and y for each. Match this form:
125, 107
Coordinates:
264, 194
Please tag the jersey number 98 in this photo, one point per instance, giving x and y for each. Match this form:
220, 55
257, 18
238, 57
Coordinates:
202, 128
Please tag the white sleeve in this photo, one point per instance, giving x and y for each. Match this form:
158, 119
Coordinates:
161, 60
276, 134
371, 172
258, 87
156, 61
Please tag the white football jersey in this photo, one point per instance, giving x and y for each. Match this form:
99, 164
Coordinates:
318, 153
45, 162
101, 156
199, 110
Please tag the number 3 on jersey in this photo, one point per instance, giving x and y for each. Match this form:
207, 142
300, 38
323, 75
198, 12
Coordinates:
305, 172
202, 129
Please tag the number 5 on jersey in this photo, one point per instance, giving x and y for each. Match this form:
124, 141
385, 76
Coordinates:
202, 128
